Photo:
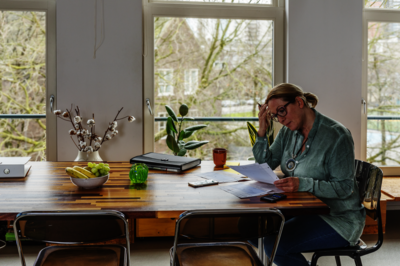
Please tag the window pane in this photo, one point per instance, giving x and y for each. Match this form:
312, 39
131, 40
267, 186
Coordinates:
23, 82
260, 2
227, 66
383, 136
392, 4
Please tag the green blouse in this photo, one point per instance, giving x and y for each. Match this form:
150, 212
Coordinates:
325, 168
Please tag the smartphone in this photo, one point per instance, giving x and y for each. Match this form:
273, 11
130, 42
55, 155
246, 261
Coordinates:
274, 197
204, 183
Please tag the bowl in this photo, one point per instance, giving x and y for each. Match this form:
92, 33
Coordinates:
91, 182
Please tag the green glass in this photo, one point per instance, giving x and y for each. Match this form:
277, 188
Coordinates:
138, 173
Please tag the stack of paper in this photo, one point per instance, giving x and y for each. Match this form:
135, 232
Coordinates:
222, 176
250, 189
258, 172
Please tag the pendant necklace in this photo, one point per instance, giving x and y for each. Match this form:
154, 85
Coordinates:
292, 163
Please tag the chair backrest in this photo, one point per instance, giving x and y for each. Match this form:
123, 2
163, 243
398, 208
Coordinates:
71, 227
369, 179
228, 226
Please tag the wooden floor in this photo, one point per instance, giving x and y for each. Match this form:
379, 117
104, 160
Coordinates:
155, 251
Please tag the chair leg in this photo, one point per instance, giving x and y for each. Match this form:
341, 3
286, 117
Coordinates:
357, 260
314, 259
337, 258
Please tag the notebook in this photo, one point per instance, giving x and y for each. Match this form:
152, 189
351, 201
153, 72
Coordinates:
166, 162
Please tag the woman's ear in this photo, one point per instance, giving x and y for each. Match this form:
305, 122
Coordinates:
300, 102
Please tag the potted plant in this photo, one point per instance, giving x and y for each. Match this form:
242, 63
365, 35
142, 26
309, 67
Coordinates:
176, 135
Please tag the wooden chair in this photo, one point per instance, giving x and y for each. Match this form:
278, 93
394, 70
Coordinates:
219, 237
74, 228
369, 180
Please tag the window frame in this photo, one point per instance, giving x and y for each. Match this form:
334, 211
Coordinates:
373, 15
48, 6
153, 8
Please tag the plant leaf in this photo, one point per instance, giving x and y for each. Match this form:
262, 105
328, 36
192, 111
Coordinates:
171, 143
188, 118
182, 152
171, 113
196, 127
188, 134
183, 110
182, 135
171, 125
192, 146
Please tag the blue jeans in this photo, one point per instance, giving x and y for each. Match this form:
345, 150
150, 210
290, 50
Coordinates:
301, 234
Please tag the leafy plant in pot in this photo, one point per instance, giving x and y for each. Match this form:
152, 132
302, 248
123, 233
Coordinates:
176, 135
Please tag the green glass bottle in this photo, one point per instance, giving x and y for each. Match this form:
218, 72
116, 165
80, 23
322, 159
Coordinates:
138, 173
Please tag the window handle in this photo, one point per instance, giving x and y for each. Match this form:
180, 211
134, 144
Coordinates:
363, 102
51, 103
149, 106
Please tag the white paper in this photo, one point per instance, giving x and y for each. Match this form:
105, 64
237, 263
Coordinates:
259, 172
223, 177
250, 189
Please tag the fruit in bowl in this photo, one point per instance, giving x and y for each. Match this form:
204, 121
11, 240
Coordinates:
92, 176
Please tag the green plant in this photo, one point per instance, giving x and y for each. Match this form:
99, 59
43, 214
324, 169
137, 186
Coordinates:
176, 135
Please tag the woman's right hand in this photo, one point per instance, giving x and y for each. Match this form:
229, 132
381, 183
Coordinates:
263, 119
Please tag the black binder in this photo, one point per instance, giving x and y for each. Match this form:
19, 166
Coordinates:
167, 162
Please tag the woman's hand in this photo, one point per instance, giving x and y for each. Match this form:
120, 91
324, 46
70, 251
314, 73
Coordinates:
288, 184
263, 119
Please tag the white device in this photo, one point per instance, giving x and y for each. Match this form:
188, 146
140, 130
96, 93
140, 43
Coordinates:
204, 183
11, 167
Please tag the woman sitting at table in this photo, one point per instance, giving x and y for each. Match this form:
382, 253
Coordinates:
316, 153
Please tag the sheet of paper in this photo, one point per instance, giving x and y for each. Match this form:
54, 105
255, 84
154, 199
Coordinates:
245, 190
223, 177
250, 189
259, 172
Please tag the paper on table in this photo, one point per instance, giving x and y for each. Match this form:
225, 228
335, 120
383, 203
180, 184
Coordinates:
222, 176
250, 189
259, 172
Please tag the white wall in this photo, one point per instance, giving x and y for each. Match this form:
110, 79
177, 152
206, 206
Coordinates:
324, 56
105, 84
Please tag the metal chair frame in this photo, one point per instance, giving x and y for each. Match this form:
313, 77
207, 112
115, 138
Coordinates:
21, 215
357, 251
261, 253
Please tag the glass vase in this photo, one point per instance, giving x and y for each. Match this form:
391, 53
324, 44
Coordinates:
84, 156
138, 173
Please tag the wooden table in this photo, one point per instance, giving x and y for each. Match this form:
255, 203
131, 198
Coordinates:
47, 188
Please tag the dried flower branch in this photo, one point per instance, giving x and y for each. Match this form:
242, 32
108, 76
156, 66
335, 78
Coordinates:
82, 133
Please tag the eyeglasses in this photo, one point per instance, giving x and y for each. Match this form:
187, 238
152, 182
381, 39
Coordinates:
281, 111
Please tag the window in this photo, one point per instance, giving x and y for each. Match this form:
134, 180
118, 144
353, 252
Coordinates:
220, 52
162, 125
388, 4
382, 85
27, 71
165, 82
191, 81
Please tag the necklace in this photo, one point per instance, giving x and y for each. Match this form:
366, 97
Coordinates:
292, 163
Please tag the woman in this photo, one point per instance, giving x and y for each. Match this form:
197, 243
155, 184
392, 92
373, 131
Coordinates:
316, 153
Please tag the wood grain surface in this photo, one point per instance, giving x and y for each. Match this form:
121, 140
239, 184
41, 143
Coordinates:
167, 194
391, 187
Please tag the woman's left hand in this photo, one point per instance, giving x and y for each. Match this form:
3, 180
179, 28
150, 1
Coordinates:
288, 184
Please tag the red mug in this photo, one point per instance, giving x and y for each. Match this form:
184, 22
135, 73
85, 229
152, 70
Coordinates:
219, 156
